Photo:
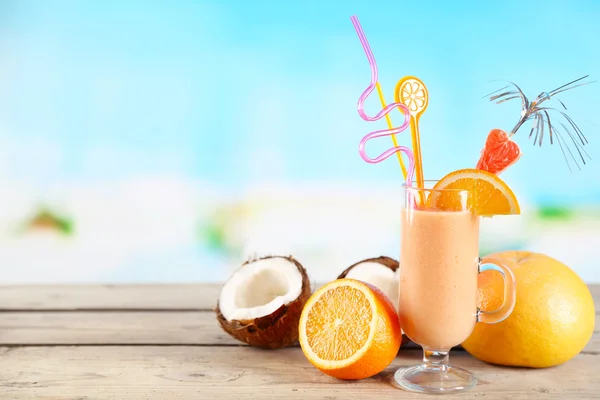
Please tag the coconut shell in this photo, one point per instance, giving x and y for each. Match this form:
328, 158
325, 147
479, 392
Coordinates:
276, 330
388, 262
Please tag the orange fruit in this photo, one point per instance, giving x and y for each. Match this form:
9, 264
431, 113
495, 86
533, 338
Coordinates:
499, 153
551, 323
349, 329
490, 194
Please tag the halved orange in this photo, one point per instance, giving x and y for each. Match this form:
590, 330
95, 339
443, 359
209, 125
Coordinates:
490, 195
349, 329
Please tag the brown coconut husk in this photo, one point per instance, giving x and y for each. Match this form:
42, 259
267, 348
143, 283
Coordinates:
387, 261
276, 330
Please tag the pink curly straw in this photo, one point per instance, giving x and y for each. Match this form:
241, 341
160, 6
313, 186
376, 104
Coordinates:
380, 114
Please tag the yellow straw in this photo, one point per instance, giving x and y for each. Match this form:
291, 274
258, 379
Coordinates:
390, 126
414, 125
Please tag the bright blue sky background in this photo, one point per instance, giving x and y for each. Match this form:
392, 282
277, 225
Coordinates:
107, 89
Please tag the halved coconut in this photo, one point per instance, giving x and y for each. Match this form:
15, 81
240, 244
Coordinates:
381, 272
262, 301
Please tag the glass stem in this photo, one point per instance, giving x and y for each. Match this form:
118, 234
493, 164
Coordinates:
436, 359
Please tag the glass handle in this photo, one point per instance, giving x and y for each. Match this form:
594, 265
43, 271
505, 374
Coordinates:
510, 291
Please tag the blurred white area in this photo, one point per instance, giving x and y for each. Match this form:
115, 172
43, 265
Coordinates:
331, 226
576, 244
137, 229
170, 229
327, 226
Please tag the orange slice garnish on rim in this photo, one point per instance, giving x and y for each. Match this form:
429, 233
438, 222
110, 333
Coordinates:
490, 195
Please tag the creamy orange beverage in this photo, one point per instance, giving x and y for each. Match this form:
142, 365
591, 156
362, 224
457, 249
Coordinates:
439, 267
438, 276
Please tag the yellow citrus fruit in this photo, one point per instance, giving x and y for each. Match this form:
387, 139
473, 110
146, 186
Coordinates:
551, 323
491, 195
349, 329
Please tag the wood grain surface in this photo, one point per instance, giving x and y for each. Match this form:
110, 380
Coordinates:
163, 342
126, 297
126, 372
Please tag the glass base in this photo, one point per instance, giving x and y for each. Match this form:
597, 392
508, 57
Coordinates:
434, 379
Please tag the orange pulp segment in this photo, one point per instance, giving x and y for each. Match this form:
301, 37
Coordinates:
349, 329
490, 195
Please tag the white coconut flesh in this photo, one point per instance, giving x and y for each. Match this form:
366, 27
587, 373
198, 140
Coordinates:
379, 276
260, 288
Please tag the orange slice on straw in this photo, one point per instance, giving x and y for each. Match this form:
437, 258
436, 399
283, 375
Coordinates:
490, 195
412, 92
349, 329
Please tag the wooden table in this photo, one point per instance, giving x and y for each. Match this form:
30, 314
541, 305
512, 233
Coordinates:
163, 342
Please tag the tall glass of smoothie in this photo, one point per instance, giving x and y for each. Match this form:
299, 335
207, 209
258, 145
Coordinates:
439, 264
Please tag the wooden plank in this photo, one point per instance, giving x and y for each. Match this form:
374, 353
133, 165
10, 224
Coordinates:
94, 327
126, 297
109, 297
166, 328
130, 373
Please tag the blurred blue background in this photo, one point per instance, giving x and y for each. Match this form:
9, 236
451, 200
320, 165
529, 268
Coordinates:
165, 141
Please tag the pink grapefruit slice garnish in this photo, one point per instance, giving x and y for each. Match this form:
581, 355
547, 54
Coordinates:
499, 153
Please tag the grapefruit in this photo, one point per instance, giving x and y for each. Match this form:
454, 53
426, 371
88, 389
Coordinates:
551, 323
499, 152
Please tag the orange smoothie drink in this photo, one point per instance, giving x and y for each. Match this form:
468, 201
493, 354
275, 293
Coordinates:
439, 268
438, 277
